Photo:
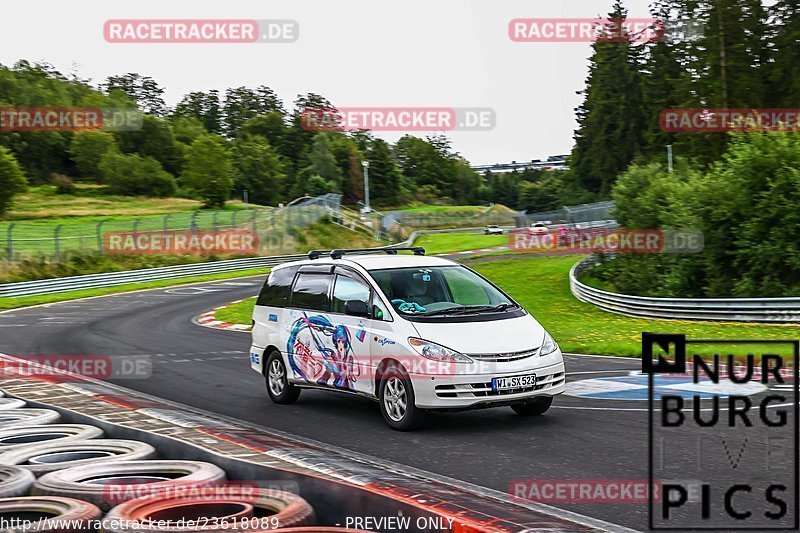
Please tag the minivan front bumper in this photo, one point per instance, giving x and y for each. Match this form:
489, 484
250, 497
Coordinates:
467, 391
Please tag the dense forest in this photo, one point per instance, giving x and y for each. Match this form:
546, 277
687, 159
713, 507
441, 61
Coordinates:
213, 147
740, 189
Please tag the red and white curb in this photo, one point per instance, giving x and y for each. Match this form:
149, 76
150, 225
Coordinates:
209, 320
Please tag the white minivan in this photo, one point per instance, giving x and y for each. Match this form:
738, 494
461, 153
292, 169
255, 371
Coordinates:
414, 332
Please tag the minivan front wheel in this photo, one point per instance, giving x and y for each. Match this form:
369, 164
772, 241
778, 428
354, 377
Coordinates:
396, 395
278, 387
533, 407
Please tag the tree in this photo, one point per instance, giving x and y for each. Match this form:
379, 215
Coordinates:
87, 150
141, 89
322, 163
258, 169
271, 126
354, 191
384, 176
610, 119
537, 196
348, 157
433, 162
728, 64
665, 79
205, 107
12, 180
208, 170
155, 139
784, 72
134, 175
242, 104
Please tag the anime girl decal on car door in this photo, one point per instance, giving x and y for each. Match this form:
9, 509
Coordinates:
322, 353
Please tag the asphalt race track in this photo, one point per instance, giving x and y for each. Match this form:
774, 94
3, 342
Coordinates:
582, 437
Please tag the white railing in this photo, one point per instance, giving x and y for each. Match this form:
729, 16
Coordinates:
718, 309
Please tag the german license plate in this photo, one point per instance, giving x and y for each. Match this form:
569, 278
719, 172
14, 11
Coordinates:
514, 382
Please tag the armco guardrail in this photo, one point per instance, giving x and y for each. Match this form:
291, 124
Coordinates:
96, 281
111, 279
724, 309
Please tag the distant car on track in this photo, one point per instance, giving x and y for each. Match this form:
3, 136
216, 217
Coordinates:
412, 332
538, 228
493, 230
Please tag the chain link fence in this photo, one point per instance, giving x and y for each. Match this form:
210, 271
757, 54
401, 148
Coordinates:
276, 228
400, 224
598, 212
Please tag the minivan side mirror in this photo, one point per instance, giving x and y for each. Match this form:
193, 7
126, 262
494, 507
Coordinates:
356, 308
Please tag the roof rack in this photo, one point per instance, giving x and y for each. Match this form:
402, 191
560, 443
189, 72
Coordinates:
337, 254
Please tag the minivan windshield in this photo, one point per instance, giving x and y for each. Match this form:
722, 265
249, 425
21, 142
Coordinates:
440, 290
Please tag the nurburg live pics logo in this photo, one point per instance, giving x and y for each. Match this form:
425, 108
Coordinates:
726, 421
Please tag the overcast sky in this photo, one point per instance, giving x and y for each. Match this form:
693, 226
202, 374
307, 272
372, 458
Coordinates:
422, 53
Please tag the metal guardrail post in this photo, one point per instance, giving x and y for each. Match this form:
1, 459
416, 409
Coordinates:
233, 218
100, 237
136, 225
253, 219
10, 242
193, 222
166, 222
214, 220
57, 242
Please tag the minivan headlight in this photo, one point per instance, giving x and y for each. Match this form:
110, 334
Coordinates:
437, 352
548, 346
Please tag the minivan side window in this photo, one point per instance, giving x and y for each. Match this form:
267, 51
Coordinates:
276, 289
310, 292
348, 289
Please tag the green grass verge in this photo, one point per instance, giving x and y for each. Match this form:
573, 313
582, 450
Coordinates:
37, 213
89, 200
541, 285
13, 303
440, 243
238, 313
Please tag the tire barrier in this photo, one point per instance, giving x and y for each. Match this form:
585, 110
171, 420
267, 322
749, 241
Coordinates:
110, 484
20, 437
14, 481
27, 417
42, 459
220, 509
47, 514
11, 403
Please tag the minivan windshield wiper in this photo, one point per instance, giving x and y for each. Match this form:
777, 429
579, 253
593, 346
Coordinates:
468, 309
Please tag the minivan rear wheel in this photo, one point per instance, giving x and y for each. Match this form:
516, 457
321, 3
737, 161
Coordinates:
533, 407
397, 402
278, 387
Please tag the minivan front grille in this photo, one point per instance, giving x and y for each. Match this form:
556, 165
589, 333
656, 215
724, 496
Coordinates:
484, 389
503, 357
